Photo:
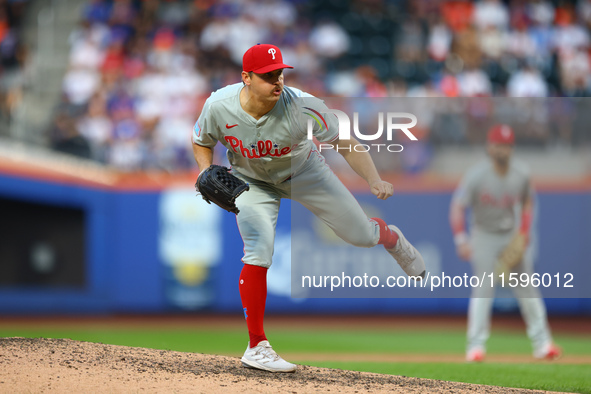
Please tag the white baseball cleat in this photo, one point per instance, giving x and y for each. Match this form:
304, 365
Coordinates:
407, 256
475, 355
548, 352
262, 356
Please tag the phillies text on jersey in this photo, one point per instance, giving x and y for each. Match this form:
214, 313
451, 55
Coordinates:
271, 148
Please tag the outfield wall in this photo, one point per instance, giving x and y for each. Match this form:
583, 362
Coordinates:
160, 248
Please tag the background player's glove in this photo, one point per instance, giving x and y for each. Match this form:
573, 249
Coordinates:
512, 254
217, 185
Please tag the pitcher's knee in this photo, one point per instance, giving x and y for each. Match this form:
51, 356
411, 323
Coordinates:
361, 240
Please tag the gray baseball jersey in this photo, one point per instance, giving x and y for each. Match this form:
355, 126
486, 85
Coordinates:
275, 156
494, 200
270, 149
495, 203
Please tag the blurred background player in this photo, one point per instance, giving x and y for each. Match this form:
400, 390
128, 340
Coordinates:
257, 120
497, 190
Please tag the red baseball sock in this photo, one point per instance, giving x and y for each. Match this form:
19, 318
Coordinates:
253, 292
388, 238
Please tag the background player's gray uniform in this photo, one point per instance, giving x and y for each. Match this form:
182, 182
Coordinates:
275, 157
496, 203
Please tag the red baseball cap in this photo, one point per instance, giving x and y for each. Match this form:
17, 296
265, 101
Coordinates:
501, 134
263, 58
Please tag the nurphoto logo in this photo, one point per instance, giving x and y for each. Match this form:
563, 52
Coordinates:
392, 124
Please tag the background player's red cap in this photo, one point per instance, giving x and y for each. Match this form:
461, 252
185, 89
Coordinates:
501, 134
263, 58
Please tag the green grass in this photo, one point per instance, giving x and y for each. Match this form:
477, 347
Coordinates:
232, 341
551, 377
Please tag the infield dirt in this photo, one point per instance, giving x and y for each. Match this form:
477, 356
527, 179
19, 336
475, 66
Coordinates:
63, 365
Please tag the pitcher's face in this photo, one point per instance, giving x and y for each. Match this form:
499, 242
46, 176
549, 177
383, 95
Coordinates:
267, 86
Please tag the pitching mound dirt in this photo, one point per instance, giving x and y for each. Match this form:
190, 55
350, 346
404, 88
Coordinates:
62, 365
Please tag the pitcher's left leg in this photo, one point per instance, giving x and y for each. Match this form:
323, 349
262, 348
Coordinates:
322, 192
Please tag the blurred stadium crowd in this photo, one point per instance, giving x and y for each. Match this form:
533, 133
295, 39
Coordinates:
13, 56
140, 70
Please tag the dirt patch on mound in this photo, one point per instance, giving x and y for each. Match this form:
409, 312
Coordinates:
63, 365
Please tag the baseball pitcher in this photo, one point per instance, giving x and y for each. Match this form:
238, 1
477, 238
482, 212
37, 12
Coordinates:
257, 121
